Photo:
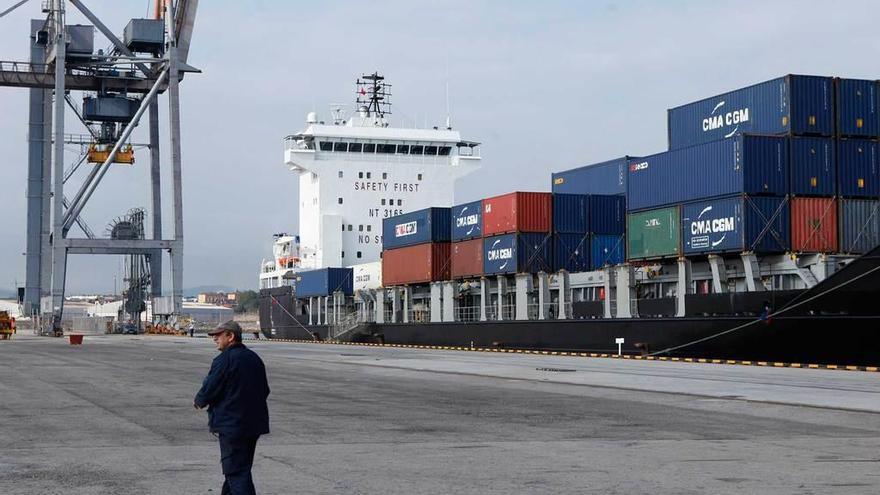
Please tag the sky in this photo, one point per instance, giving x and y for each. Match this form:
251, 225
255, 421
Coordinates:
544, 86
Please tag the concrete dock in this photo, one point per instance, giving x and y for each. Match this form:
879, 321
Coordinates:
114, 416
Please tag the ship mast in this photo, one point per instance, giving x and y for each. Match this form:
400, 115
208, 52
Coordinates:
374, 95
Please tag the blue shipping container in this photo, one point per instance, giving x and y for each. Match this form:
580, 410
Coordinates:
741, 223
857, 165
417, 227
813, 169
607, 214
857, 113
859, 221
467, 221
787, 105
606, 250
599, 178
517, 253
570, 213
571, 252
739, 165
323, 282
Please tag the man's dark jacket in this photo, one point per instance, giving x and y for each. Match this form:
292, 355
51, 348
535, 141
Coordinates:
235, 392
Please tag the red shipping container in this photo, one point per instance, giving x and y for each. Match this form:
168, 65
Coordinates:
467, 258
517, 212
814, 225
416, 264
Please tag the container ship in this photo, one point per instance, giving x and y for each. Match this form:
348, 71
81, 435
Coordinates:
752, 237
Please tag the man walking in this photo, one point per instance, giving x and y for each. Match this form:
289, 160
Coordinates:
235, 392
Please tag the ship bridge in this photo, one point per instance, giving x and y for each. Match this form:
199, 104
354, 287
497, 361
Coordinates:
356, 170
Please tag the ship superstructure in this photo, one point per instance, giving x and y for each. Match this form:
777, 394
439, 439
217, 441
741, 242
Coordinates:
358, 169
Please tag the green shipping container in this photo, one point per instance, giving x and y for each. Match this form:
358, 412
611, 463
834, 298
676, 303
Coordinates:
653, 234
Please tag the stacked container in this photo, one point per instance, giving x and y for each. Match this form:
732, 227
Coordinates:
467, 240
858, 127
599, 178
789, 105
323, 282
587, 231
517, 238
416, 247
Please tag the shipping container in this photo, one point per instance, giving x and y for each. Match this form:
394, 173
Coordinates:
367, 275
570, 213
799, 105
813, 169
323, 282
814, 225
517, 212
417, 264
598, 178
571, 252
740, 165
607, 214
416, 227
517, 253
741, 223
857, 168
859, 225
467, 221
467, 258
856, 103
653, 234
606, 250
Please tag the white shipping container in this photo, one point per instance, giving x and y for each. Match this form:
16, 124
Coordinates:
367, 275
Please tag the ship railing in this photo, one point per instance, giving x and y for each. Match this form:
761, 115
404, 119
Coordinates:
346, 324
419, 316
467, 313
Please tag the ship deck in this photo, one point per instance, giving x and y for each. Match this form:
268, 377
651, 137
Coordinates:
115, 416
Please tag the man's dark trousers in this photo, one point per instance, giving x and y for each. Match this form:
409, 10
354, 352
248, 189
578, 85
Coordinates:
237, 458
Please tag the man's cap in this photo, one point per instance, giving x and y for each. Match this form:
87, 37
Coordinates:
228, 326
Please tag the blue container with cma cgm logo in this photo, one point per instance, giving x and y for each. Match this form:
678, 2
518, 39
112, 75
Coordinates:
417, 227
517, 253
736, 224
467, 221
797, 105
743, 164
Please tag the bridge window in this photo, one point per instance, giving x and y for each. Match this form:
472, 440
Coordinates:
444, 150
385, 148
430, 150
416, 149
340, 146
326, 146
355, 147
369, 147
403, 149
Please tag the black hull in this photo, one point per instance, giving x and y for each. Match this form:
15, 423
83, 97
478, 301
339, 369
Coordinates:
835, 322
815, 339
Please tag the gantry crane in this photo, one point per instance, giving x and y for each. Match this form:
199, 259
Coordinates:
122, 85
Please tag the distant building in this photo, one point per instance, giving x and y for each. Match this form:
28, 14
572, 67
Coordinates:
217, 298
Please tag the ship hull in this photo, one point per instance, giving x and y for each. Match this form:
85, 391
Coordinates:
834, 322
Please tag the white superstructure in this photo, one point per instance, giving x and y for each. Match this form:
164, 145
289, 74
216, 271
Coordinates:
355, 171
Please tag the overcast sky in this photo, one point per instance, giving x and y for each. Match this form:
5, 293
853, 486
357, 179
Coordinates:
544, 86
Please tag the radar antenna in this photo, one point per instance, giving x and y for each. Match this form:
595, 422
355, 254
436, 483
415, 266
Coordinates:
374, 94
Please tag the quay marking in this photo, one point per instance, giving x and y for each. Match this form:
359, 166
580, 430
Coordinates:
775, 364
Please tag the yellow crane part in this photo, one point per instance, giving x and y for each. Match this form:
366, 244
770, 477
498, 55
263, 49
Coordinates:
100, 154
